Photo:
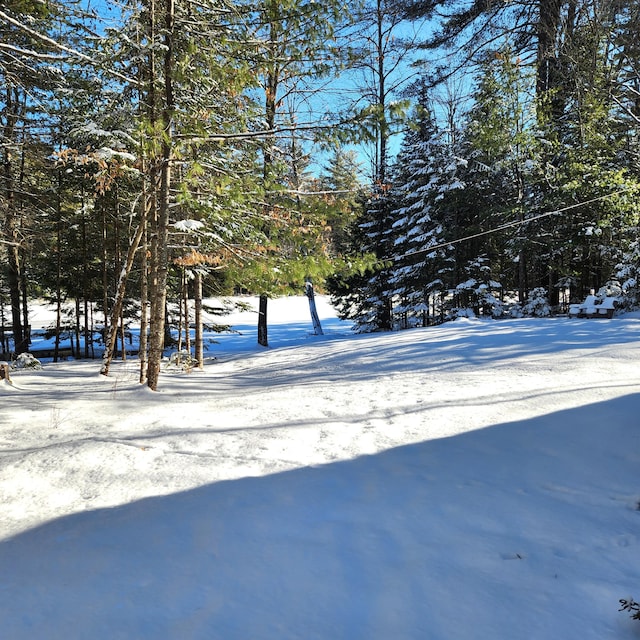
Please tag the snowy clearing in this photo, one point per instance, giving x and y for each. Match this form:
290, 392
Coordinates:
479, 480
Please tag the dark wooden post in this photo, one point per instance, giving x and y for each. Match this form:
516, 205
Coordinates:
262, 322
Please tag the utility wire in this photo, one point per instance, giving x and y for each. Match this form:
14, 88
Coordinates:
507, 225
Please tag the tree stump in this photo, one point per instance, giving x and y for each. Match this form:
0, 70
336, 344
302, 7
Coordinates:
315, 319
4, 372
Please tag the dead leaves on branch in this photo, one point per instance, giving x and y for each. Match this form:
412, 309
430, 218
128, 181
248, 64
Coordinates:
104, 166
195, 258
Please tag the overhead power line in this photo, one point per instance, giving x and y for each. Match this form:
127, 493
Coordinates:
507, 225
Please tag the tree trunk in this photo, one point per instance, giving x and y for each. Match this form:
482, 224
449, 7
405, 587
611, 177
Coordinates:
4, 372
58, 271
187, 325
116, 312
77, 327
85, 279
548, 73
383, 129
11, 221
13, 280
144, 299
199, 346
121, 333
105, 272
158, 286
182, 308
160, 240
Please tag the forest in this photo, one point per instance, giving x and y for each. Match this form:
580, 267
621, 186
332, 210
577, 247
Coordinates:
418, 160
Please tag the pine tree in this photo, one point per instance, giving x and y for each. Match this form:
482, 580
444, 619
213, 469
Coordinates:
502, 170
190, 99
590, 168
341, 189
32, 62
419, 262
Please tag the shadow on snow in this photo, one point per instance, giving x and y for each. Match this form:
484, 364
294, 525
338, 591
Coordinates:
420, 541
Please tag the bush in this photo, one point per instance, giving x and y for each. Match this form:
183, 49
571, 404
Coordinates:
26, 361
182, 360
537, 304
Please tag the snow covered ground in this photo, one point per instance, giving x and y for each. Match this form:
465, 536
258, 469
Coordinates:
476, 481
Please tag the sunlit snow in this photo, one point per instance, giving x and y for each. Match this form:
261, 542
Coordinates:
475, 481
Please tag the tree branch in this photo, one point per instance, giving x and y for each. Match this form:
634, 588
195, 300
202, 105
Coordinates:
30, 53
262, 133
61, 47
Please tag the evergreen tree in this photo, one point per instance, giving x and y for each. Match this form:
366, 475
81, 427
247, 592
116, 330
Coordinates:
341, 190
502, 170
176, 55
358, 286
590, 167
419, 263
31, 72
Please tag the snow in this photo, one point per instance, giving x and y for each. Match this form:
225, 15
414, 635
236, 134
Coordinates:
478, 480
188, 225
